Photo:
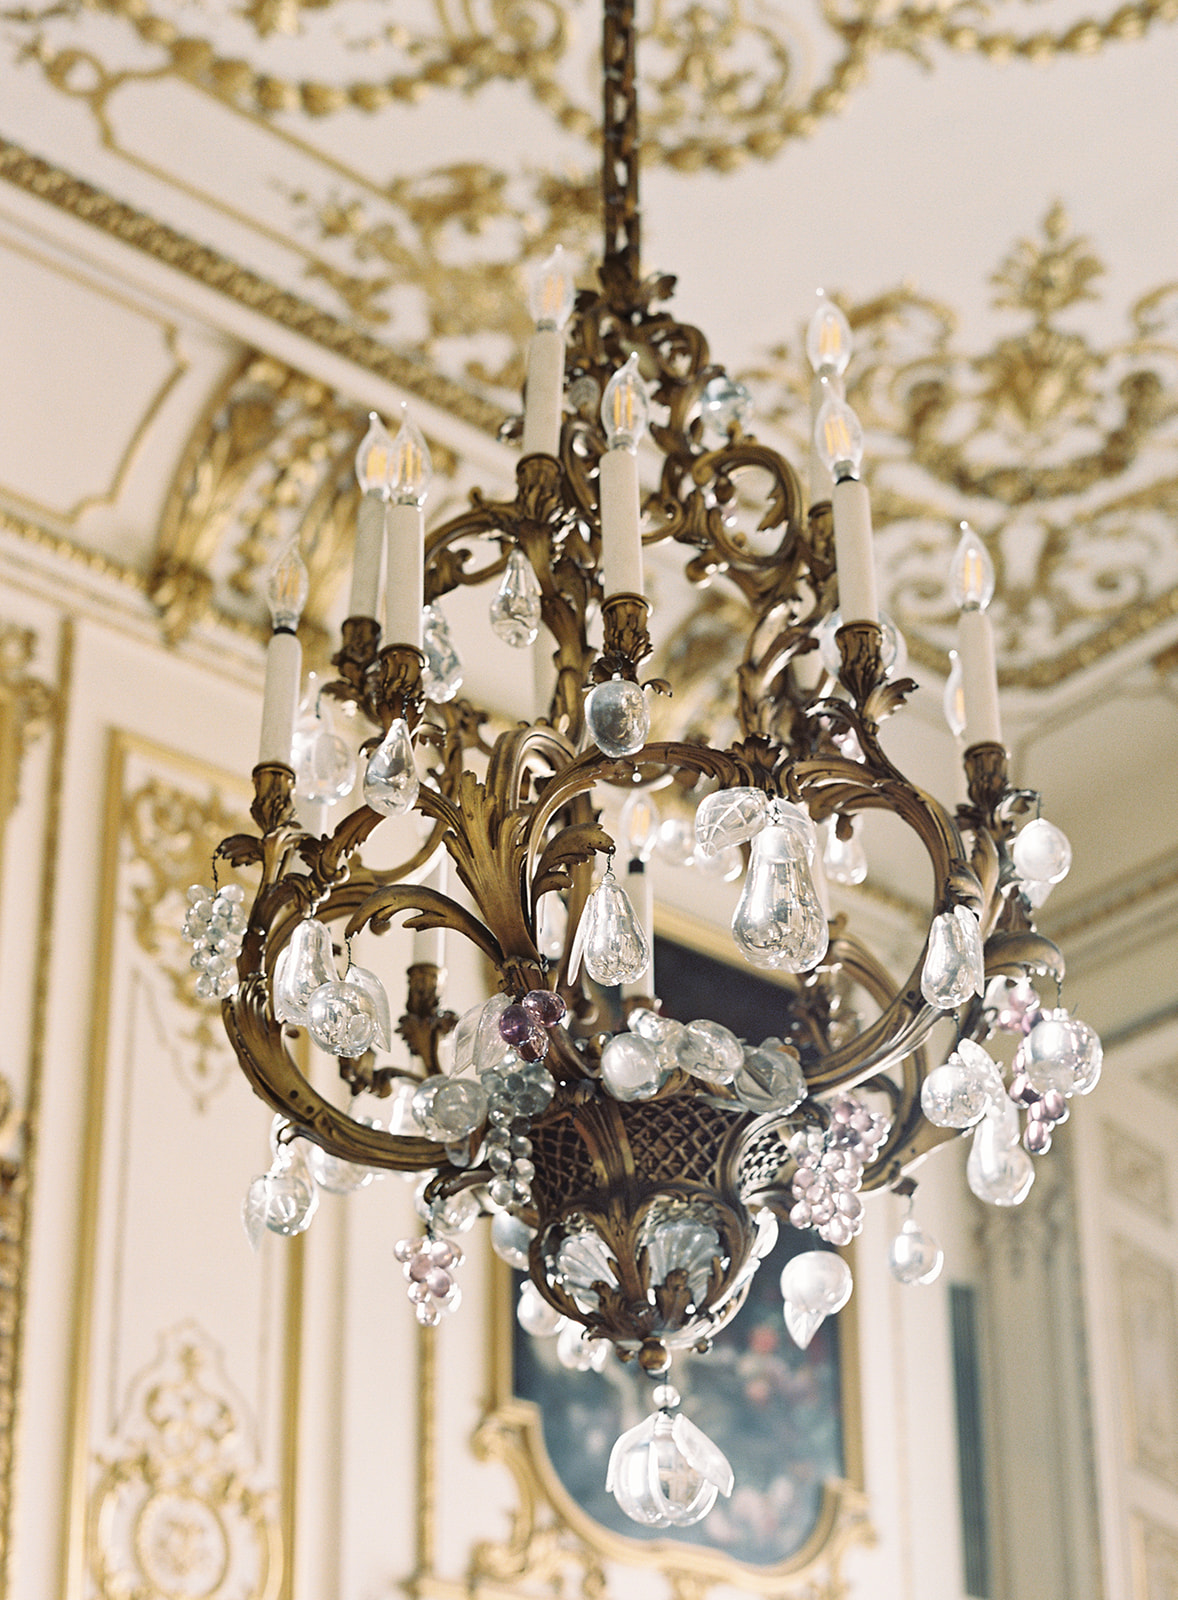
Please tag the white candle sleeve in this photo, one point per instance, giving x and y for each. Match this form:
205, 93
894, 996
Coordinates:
621, 523
545, 393
284, 669
429, 944
854, 552
640, 888
543, 674
979, 678
405, 584
821, 482
368, 555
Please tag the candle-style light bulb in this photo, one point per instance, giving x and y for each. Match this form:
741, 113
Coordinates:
971, 575
625, 407
553, 291
838, 435
410, 468
373, 456
286, 588
828, 339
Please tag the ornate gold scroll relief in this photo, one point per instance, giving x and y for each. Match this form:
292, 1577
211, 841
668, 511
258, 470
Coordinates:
723, 83
178, 1509
270, 460
1056, 448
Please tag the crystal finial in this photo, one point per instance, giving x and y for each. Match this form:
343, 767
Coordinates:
390, 779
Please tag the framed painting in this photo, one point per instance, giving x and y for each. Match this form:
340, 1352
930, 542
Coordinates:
787, 1419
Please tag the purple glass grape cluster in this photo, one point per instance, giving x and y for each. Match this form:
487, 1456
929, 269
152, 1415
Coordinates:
830, 1165
524, 1024
429, 1265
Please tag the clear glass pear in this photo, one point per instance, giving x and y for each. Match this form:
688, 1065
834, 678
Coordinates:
954, 967
304, 966
515, 610
617, 717
390, 778
442, 677
666, 1473
370, 984
769, 1079
999, 1171
915, 1256
1042, 853
730, 817
959, 1093
814, 1285
844, 860
779, 922
341, 1019
610, 939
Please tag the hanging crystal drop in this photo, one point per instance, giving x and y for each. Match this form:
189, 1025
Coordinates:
617, 717
999, 1171
370, 984
390, 779
779, 922
814, 1285
304, 966
844, 860
515, 610
915, 1256
955, 966
610, 939
341, 1019
730, 817
666, 1473
1041, 853
442, 678
959, 1093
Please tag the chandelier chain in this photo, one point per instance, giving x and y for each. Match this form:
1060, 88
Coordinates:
620, 138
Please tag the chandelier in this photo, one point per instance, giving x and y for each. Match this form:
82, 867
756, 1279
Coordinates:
636, 1174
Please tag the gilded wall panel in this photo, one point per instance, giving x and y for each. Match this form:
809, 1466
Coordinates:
1136, 1171
1155, 1560
1148, 1321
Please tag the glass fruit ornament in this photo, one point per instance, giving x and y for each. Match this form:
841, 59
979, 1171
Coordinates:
442, 677
617, 716
999, 1171
769, 1078
304, 966
814, 1285
954, 967
282, 1201
730, 817
667, 1473
914, 1255
1041, 853
609, 937
516, 608
725, 401
341, 1019
779, 922
631, 1068
534, 1314
844, 860
325, 769
370, 984
960, 1092
390, 777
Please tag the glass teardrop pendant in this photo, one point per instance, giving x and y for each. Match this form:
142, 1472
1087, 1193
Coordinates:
515, 610
954, 967
610, 939
390, 779
779, 922
304, 966
442, 678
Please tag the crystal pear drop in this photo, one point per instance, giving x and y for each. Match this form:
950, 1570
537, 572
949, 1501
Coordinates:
999, 1171
666, 1473
390, 779
515, 610
959, 1093
779, 922
954, 967
610, 939
1042, 853
814, 1285
511, 1239
730, 817
341, 1019
535, 1315
370, 984
915, 1256
336, 1175
769, 1079
325, 769
284, 1202
304, 966
617, 717
844, 860
442, 678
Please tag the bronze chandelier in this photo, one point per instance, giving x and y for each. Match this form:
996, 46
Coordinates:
637, 1173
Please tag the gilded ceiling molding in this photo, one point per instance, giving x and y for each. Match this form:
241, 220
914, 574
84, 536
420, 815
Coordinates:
1058, 451
206, 266
177, 1509
724, 84
270, 460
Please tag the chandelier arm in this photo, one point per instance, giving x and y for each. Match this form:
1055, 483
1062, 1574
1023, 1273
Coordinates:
257, 1040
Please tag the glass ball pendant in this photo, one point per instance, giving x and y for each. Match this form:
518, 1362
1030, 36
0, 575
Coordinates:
617, 717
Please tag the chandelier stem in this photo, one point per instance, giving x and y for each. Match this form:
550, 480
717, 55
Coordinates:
619, 160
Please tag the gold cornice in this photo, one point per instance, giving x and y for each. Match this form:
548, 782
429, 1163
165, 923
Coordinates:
206, 266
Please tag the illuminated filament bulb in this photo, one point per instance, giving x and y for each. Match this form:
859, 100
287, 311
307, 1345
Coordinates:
972, 574
838, 435
625, 407
828, 339
287, 588
373, 457
553, 291
410, 467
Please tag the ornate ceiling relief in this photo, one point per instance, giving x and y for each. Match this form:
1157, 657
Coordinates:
1057, 449
724, 81
177, 1510
271, 460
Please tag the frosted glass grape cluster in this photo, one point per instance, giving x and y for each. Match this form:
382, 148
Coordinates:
636, 1064
428, 1265
830, 1165
215, 926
